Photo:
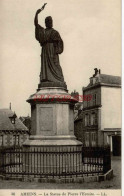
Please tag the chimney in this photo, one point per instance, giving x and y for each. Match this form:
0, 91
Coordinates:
99, 71
75, 94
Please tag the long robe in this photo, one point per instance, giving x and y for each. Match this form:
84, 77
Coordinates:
52, 46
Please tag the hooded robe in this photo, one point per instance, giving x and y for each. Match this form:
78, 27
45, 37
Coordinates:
52, 46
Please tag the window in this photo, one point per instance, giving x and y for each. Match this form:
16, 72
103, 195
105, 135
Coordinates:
94, 99
83, 120
86, 119
16, 139
13, 118
8, 139
93, 138
13, 121
89, 120
96, 120
5, 140
92, 118
87, 138
1, 140
88, 102
24, 137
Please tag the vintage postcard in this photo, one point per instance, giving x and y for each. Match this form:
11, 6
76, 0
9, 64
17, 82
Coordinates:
60, 103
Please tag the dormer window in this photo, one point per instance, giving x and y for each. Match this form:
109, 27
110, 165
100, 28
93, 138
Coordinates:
13, 118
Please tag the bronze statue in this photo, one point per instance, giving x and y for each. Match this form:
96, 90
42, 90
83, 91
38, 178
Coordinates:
52, 46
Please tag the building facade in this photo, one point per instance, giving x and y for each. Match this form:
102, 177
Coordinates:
12, 130
79, 105
100, 119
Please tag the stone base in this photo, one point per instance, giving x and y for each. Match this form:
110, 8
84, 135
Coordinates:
69, 179
52, 84
52, 156
59, 140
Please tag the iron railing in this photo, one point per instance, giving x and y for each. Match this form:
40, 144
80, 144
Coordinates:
51, 161
97, 156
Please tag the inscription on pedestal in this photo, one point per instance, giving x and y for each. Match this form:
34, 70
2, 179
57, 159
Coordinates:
46, 119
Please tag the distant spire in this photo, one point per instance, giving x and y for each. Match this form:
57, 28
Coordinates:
10, 106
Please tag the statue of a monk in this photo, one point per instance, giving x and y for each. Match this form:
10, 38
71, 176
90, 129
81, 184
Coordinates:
52, 46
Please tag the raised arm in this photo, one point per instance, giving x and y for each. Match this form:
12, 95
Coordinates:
36, 17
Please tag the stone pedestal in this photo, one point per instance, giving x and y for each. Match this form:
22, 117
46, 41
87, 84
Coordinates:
52, 131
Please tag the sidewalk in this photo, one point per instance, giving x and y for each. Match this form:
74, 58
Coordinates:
114, 183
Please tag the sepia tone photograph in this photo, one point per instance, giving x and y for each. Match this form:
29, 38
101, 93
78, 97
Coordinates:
60, 103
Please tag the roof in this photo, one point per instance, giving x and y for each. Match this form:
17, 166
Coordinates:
112, 129
5, 122
107, 80
23, 118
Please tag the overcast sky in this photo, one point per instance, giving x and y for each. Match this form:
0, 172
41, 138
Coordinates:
90, 29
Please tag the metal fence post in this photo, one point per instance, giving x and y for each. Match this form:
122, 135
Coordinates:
106, 159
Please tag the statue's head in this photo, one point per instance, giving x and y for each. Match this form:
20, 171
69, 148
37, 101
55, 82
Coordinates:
49, 22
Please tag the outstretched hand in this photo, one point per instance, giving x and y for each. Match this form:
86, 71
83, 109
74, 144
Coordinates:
39, 10
43, 6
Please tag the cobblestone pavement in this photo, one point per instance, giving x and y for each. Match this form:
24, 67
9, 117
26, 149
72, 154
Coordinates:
114, 183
